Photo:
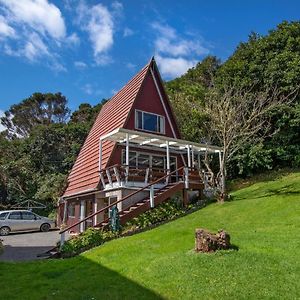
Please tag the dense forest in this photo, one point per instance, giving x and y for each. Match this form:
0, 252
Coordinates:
259, 82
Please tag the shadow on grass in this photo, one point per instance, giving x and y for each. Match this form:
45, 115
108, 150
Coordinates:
75, 278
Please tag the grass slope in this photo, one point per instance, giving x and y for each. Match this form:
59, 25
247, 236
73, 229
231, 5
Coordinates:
263, 220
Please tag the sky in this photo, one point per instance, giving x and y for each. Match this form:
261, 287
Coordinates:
88, 50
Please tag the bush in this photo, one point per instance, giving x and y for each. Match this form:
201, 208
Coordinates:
88, 239
163, 212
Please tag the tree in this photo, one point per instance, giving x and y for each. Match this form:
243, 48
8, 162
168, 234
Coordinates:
237, 117
38, 109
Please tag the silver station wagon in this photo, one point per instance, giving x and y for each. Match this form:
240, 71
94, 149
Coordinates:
23, 220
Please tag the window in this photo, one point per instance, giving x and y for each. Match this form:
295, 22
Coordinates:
149, 122
26, 215
16, 215
142, 160
3, 215
71, 210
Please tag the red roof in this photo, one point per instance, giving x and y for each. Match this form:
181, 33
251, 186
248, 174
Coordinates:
84, 175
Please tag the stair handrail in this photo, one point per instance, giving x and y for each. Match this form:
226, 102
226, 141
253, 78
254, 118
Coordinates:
119, 201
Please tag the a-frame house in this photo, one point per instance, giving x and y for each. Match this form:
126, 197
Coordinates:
133, 157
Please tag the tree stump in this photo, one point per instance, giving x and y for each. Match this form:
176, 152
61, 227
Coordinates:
206, 241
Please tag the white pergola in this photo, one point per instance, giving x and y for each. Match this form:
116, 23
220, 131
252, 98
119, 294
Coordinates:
151, 141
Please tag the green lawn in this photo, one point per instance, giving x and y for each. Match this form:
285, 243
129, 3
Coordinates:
263, 220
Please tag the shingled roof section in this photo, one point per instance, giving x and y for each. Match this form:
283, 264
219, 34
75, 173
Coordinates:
84, 176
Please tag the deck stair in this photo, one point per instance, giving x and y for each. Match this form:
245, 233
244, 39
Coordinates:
160, 196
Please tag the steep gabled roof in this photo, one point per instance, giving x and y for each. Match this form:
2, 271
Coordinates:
84, 175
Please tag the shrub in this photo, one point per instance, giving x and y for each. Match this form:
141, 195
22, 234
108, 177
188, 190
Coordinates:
163, 212
88, 239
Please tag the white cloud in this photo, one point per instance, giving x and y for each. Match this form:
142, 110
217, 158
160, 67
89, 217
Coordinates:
73, 39
174, 66
127, 32
34, 30
130, 65
2, 128
175, 54
87, 88
90, 89
98, 22
80, 64
35, 48
40, 15
5, 29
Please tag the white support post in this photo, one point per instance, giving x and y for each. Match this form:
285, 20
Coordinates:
151, 196
109, 177
189, 155
117, 174
82, 215
127, 156
186, 178
168, 161
62, 239
193, 159
95, 210
147, 175
100, 155
65, 212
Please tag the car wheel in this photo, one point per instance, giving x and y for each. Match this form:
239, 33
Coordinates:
4, 230
45, 227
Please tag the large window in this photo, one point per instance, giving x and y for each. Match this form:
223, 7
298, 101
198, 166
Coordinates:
142, 160
149, 122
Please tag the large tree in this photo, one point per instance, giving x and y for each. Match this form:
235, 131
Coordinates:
38, 109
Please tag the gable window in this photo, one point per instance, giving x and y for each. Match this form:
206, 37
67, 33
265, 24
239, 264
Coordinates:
149, 122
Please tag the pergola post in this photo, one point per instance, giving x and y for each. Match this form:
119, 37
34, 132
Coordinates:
82, 214
65, 211
193, 160
95, 210
168, 161
152, 204
189, 155
127, 156
100, 155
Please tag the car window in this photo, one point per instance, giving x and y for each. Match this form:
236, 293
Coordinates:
3, 215
16, 215
26, 215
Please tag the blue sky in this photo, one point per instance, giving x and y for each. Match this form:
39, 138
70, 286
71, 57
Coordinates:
89, 49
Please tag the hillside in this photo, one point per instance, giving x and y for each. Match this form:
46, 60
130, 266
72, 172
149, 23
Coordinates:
263, 220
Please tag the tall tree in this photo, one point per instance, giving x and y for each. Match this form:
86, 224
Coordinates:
38, 109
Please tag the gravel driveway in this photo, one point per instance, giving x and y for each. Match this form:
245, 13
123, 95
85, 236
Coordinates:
27, 246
